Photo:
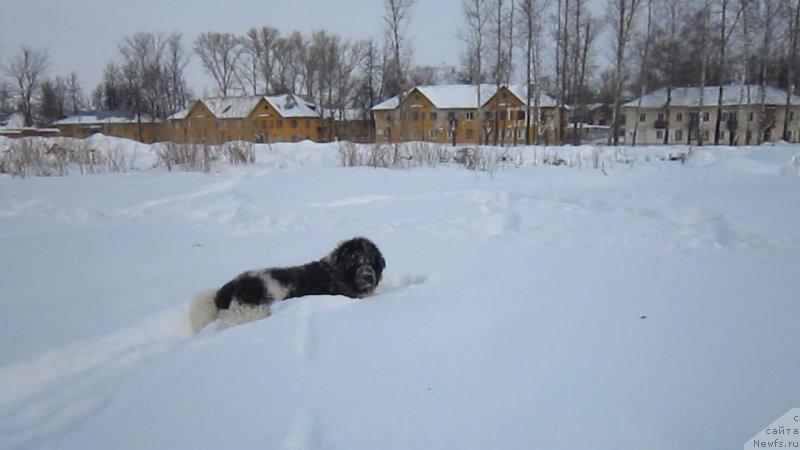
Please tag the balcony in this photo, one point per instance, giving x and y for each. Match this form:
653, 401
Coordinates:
661, 125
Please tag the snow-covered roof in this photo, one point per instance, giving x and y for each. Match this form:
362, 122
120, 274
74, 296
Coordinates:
231, 107
387, 105
179, 114
102, 117
457, 96
462, 96
287, 105
290, 105
731, 95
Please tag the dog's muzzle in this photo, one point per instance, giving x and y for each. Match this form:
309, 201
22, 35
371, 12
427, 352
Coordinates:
365, 277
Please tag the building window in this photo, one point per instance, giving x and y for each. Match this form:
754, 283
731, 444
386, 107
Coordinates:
521, 134
750, 116
791, 115
660, 116
432, 134
387, 132
279, 124
659, 134
450, 134
520, 115
294, 123
705, 135
416, 134
679, 117
705, 117
415, 116
678, 135
642, 117
434, 116
469, 115
487, 115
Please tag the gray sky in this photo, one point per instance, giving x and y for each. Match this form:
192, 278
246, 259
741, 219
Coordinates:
82, 35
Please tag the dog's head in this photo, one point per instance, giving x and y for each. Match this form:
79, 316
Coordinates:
357, 266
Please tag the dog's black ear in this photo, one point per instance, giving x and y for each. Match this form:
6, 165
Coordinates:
379, 261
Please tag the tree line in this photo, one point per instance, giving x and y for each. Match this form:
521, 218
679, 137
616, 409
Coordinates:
565, 48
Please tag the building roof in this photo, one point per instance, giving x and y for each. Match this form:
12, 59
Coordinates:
462, 96
731, 95
102, 117
287, 105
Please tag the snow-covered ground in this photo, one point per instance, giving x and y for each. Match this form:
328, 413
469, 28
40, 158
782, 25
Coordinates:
643, 305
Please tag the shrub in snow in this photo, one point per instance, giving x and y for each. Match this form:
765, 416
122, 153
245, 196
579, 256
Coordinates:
62, 156
200, 157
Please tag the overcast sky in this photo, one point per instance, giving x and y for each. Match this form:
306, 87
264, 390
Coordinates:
82, 35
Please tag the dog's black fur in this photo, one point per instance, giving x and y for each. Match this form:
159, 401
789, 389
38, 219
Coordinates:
353, 269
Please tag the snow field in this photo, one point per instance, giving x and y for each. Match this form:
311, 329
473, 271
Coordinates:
651, 304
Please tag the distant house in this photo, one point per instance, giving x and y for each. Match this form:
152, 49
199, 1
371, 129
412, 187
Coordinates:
278, 118
749, 116
453, 114
139, 127
13, 126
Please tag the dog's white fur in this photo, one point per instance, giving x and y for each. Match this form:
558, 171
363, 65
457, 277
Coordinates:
202, 310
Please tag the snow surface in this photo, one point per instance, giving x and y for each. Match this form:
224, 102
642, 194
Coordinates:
650, 305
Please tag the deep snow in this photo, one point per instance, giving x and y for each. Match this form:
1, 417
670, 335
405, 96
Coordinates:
648, 305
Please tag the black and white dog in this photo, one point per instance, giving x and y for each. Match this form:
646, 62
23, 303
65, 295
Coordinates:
353, 269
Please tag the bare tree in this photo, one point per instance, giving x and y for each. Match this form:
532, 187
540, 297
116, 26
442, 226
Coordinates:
52, 100
792, 10
501, 56
584, 33
27, 69
289, 63
177, 90
705, 13
530, 24
219, 53
5, 98
143, 69
666, 49
766, 18
477, 15
622, 15
727, 24
326, 52
396, 15
643, 71
75, 98
113, 92
562, 52
369, 85
250, 63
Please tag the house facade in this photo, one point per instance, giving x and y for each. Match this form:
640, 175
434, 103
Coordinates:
279, 118
463, 114
750, 115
